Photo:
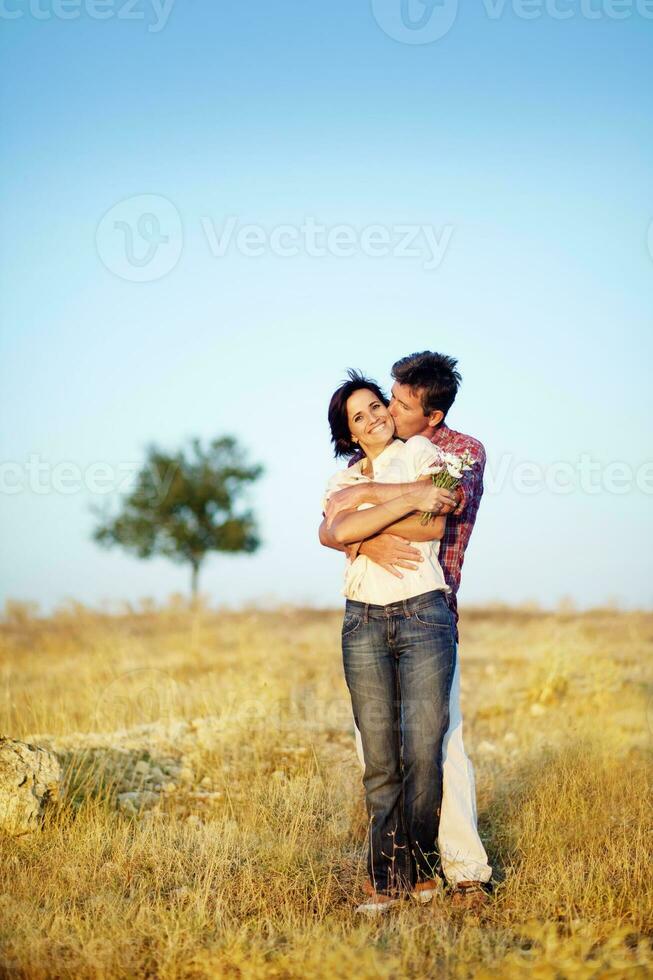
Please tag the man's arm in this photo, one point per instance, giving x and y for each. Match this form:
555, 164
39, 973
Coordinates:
393, 551
471, 485
349, 499
385, 549
390, 548
412, 529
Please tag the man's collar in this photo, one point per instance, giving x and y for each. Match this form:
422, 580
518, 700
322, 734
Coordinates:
440, 433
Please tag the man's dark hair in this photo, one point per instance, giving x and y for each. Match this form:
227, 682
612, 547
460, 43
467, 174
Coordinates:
431, 376
338, 421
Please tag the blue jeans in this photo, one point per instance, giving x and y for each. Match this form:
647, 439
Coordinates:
399, 661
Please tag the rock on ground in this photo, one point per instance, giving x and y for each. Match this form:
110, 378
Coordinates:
30, 777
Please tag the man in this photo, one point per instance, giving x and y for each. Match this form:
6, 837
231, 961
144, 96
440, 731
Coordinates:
425, 386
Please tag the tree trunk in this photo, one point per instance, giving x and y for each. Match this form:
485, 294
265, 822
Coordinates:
193, 585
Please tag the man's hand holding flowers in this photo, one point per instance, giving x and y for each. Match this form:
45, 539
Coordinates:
448, 473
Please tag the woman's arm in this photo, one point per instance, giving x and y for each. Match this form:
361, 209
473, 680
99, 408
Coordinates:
327, 539
350, 526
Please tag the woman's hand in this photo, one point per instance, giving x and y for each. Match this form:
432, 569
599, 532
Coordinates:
433, 500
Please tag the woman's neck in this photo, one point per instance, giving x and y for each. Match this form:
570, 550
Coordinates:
372, 452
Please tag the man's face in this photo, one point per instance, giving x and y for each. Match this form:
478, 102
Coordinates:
406, 409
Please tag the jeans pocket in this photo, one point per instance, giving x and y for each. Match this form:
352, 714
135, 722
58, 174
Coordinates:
433, 618
350, 624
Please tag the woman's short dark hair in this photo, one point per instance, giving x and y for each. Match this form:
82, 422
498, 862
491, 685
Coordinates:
433, 377
338, 421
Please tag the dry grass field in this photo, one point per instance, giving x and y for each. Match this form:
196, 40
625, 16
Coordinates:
213, 822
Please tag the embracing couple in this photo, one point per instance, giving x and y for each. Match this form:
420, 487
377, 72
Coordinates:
403, 512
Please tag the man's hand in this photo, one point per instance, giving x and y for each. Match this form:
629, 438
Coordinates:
461, 502
433, 500
447, 501
391, 552
348, 499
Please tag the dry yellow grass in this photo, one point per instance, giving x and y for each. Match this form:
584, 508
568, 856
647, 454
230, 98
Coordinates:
249, 851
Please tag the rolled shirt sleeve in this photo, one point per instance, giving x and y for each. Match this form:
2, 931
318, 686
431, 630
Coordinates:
339, 481
422, 455
471, 485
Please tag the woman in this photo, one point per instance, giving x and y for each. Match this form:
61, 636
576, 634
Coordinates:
398, 648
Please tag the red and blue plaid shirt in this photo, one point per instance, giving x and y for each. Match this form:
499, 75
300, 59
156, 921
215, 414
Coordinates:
459, 529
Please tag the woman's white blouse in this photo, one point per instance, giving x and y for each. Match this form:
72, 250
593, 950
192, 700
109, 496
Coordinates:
400, 462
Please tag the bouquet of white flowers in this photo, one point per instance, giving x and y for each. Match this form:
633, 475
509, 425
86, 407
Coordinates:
448, 472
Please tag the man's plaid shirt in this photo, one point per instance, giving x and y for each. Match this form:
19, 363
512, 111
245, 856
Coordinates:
459, 529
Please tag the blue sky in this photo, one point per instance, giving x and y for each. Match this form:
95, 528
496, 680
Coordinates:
524, 146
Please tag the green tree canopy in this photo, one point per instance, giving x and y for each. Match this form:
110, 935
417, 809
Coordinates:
185, 506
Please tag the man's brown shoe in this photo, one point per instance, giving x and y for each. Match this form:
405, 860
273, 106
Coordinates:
377, 904
424, 891
470, 896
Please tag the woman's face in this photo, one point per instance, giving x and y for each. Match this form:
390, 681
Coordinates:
370, 422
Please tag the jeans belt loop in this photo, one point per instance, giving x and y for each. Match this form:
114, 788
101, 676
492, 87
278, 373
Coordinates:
366, 613
406, 608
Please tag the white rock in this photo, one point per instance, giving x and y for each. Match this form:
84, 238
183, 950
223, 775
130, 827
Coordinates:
126, 805
152, 816
205, 795
131, 802
30, 779
149, 798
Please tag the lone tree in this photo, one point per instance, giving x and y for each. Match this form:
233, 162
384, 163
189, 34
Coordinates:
184, 507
